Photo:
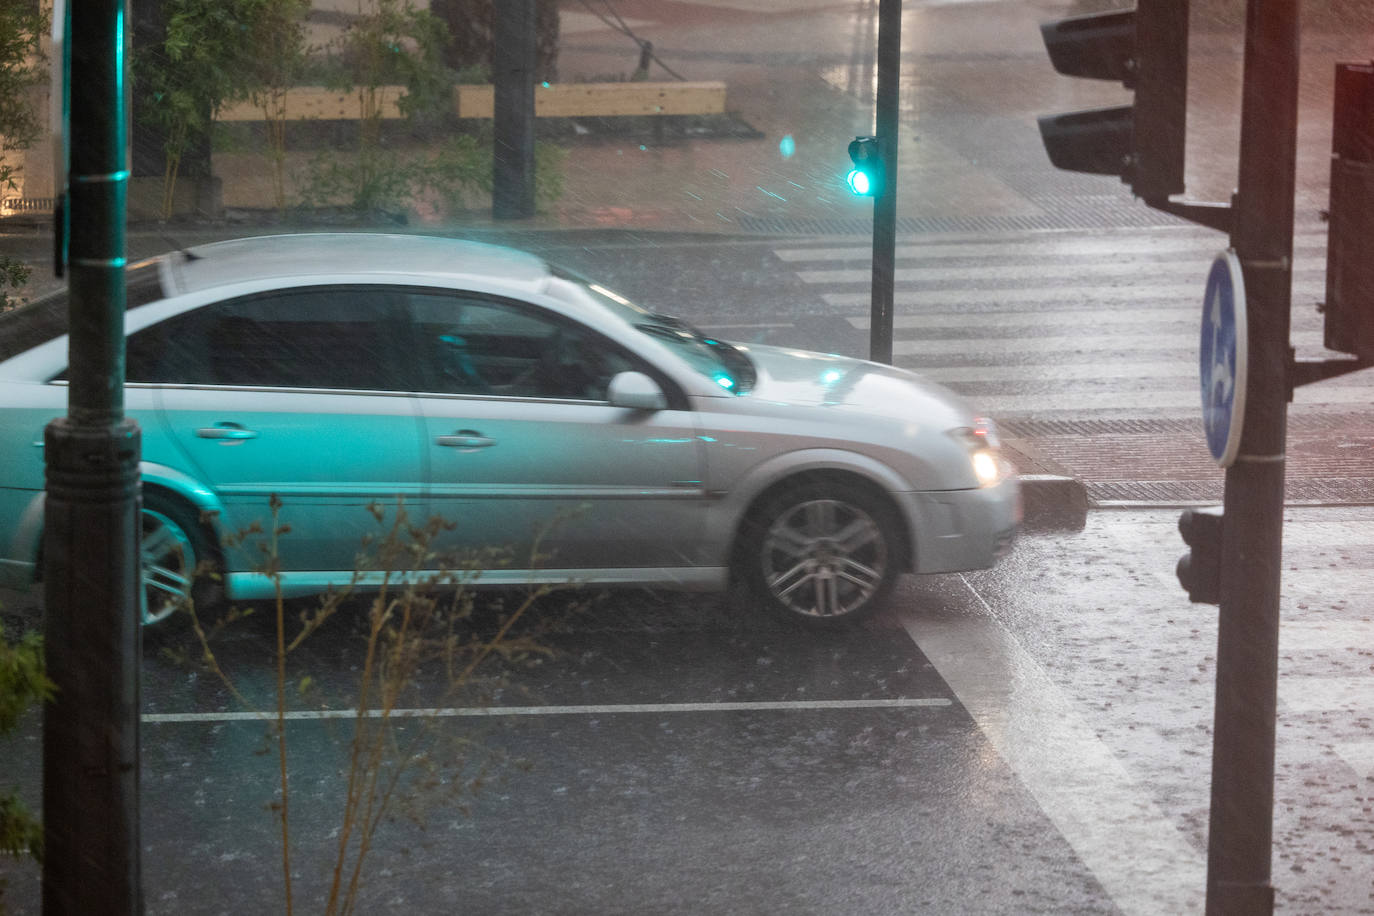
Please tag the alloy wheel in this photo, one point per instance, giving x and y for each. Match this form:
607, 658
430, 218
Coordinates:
169, 566
824, 558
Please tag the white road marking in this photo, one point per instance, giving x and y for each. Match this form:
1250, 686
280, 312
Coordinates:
1077, 318
1066, 345
1145, 398
1107, 298
1074, 247
1309, 694
1063, 372
1141, 859
596, 710
1359, 755
1326, 635
1042, 269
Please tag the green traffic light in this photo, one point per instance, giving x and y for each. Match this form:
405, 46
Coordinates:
866, 178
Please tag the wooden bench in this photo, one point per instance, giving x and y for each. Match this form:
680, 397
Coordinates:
555, 100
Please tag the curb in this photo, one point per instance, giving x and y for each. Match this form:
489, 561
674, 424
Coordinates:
1053, 502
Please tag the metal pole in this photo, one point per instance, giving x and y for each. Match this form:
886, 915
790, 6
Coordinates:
513, 58
885, 204
90, 546
1241, 828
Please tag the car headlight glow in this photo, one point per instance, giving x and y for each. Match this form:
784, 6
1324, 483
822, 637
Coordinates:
986, 468
983, 446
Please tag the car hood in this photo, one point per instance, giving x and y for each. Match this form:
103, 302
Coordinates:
825, 380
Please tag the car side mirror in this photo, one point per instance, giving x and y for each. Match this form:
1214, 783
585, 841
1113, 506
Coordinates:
636, 391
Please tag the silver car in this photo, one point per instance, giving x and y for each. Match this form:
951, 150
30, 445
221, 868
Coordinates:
517, 401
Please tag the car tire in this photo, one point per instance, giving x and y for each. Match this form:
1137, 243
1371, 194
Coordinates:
821, 554
179, 563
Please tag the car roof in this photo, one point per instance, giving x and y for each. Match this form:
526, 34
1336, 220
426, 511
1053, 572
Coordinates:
316, 254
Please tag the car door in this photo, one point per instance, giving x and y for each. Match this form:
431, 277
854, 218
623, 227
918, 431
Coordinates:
525, 454
303, 394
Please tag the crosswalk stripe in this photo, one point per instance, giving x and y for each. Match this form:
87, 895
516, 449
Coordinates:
1062, 321
1073, 248
975, 295
1069, 344
1041, 270
1326, 636
1062, 372
1145, 397
1323, 694
1358, 755
1190, 314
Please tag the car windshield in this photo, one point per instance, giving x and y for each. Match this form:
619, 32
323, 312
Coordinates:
720, 361
46, 318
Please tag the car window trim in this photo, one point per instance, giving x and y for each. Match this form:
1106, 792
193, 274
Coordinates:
275, 389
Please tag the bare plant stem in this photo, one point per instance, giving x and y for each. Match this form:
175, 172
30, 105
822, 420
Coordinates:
380, 611
281, 711
177, 141
273, 105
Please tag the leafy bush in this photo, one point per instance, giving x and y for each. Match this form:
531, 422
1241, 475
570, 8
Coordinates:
214, 52
22, 683
21, 29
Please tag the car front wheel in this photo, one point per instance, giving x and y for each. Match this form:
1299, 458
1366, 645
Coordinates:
822, 554
173, 551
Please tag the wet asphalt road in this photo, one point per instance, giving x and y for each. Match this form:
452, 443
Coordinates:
1030, 739
671, 755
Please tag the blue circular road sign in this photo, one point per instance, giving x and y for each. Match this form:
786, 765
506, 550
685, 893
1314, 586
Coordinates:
1222, 358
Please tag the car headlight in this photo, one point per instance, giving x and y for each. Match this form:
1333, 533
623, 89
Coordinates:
983, 446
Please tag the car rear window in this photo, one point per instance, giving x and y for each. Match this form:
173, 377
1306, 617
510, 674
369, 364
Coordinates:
46, 318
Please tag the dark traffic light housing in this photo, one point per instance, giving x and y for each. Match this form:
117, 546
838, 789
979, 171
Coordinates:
866, 178
1349, 269
1146, 49
1199, 570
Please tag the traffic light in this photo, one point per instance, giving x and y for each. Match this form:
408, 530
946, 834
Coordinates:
866, 178
1145, 48
1349, 270
1199, 570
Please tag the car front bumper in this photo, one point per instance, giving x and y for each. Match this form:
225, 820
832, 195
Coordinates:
957, 530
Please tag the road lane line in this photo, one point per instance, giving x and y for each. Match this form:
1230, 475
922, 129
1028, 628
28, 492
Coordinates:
1141, 859
499, 711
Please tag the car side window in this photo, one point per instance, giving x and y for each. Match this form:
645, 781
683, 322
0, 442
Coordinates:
333, 337
474, 345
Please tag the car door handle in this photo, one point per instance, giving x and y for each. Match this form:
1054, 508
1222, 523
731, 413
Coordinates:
231, 431
466, 439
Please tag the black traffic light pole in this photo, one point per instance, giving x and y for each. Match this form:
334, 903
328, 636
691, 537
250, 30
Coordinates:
90, 544
885, 204
1240, 833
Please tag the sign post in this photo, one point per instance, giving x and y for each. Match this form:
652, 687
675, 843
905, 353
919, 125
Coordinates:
1240, 829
